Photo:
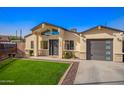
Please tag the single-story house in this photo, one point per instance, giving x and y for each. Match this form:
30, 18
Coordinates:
97, 43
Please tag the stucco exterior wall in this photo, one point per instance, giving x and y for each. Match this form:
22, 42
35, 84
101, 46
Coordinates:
28, 44
76, 39
20, 49
47, 38
117, 48
80, 41
103, 34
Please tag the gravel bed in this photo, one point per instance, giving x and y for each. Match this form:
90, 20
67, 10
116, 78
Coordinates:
70, 77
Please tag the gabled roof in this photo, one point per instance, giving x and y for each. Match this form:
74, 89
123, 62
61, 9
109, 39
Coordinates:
52, 25
27, 35
48, 24
118, 30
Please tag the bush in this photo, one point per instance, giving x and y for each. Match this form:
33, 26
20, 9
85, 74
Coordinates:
68, 54
31, 52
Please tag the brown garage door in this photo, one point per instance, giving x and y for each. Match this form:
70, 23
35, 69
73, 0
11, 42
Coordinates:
100, 50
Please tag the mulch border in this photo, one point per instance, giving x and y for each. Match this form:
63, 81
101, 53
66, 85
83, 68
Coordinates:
70, 74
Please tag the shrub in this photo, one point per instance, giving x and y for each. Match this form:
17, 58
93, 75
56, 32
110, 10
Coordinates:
68, 54
31, 52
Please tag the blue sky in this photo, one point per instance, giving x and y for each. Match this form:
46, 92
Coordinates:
12, 19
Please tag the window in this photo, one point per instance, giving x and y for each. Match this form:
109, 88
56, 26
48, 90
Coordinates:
108, 47
108, 58
50, 32
69, 44
54, 32
46, 32
108, 42
32, 44
44, 44
108, 53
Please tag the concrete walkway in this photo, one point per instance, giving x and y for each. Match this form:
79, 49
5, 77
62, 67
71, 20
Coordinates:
55, 59
99, 72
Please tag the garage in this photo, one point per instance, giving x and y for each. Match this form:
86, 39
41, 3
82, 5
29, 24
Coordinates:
100, 49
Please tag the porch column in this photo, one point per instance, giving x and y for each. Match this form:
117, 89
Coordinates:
60, 47
60, 42
36, 45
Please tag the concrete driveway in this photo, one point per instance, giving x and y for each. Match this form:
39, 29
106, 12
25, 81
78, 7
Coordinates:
100, 72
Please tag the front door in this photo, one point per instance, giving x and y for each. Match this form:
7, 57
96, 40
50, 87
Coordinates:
53, 47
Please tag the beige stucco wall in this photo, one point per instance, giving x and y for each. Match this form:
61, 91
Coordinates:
28, 44
64, 35
76, 39
102, 34
47, 38
79, 41
20, 49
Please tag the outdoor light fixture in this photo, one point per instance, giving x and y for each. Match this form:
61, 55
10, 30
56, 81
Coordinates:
119, 39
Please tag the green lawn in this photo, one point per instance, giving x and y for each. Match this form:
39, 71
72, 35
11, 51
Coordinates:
23, 72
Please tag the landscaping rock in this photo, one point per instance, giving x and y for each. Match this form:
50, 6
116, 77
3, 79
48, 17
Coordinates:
70, 77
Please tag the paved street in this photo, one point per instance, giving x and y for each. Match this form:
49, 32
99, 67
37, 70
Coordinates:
100, 72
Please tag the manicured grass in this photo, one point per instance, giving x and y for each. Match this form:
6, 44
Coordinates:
26, 72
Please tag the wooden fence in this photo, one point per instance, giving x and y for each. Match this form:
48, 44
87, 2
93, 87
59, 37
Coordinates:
6, 49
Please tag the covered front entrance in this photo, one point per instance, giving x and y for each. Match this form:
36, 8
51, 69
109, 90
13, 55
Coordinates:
53, 46
100, 49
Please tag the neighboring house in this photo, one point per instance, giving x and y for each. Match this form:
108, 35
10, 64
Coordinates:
9, 46
97, 43
4, 38
6, 47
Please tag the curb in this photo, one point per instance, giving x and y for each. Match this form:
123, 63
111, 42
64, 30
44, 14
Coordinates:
63, 77
52, 61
